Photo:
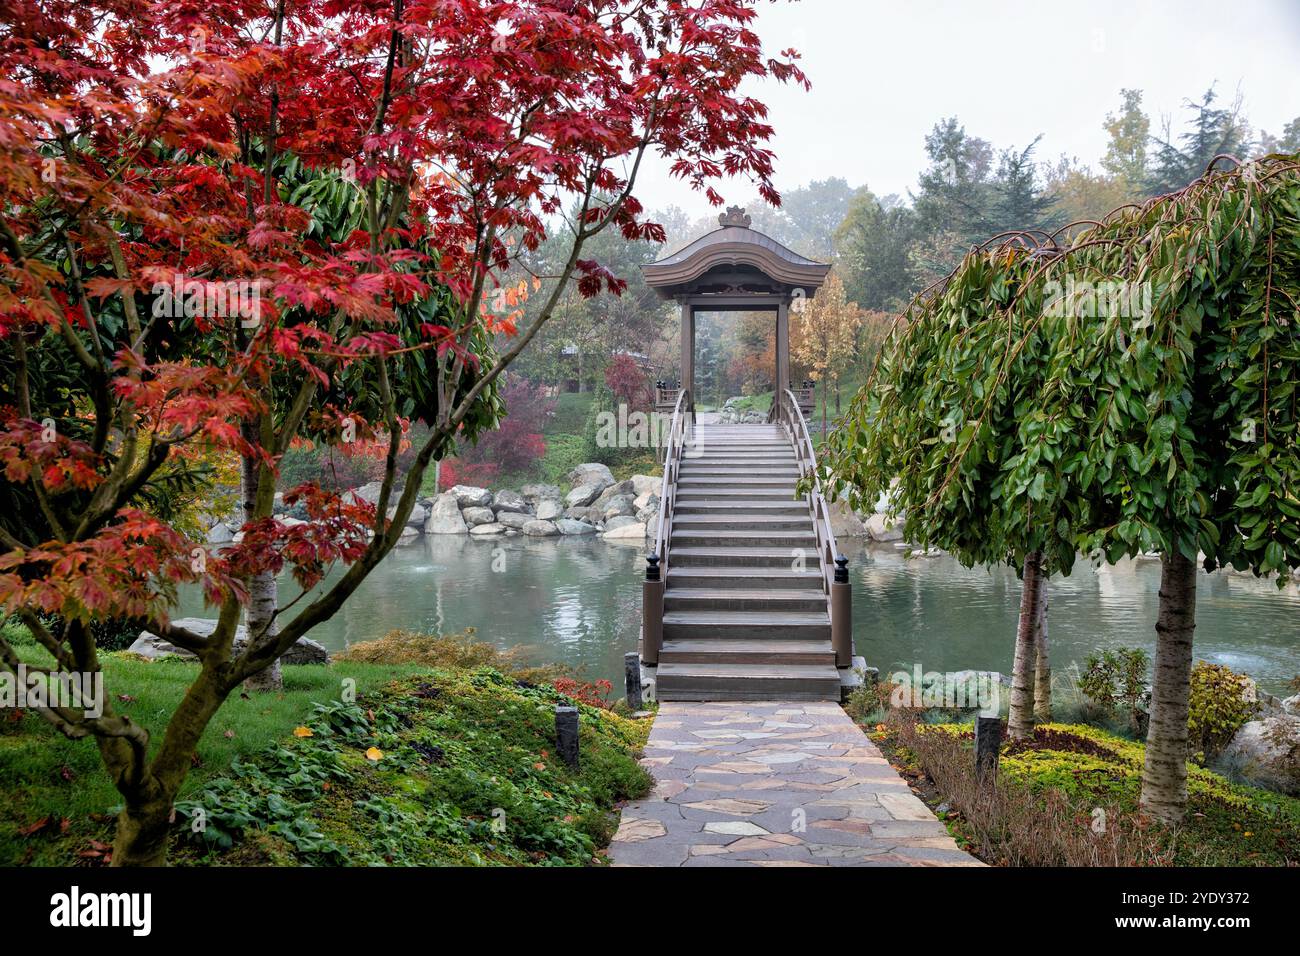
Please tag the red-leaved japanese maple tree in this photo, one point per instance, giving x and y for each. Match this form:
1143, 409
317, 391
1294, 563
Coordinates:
231, 224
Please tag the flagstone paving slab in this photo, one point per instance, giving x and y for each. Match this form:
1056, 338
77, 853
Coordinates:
771, 783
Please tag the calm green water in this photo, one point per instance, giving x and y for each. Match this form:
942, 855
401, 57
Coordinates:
578, 601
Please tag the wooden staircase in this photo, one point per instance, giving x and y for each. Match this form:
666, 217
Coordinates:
745, 601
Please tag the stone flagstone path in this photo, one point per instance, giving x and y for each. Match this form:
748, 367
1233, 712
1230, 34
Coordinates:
774, 784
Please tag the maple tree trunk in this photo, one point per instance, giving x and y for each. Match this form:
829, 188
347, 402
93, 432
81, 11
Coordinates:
145, 821
1020, 718
1164, 775
263, 592
1042, 666
263, 600
142, 832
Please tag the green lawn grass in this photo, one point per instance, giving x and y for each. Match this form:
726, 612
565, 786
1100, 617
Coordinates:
48, 777
457, 747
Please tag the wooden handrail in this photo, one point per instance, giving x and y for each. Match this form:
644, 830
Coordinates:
787, 412
673, 450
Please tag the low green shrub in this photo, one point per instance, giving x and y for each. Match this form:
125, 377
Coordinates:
448, 767
1070, 796
1116, 682
1221, 701
452, 651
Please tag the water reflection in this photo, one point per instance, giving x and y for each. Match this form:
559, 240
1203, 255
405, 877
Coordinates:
578, 601
933, 611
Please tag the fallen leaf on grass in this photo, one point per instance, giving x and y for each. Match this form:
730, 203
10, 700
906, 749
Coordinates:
36, 827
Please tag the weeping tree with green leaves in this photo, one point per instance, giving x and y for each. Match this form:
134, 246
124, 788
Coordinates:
951, 429
1181, 413
1133, 392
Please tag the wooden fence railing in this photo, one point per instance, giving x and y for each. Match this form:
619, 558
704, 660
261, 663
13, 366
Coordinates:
656, 572
787, 412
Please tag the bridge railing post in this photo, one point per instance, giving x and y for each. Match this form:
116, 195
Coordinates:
652, 612
842, 614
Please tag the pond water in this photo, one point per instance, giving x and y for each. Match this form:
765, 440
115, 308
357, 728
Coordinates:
578, 601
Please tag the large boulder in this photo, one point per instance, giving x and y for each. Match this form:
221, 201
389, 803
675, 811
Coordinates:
616, 490
514, 520
220, 533
620, 521
369, 493
469, 496
880, 528
844, 523
476, 515
646, 485
444, 516
634, 531
417, 518
618, 505
548, 509
582, 495
569, 526
1266, 753
148, 644
649, 511
589, 515
591, 473
509, 500
540, 529
488, 529
536, 493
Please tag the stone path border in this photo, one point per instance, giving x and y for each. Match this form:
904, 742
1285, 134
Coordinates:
768, 783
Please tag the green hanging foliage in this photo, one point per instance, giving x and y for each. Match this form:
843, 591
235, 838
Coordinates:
1131, 389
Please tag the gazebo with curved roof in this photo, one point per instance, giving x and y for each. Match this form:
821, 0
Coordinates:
736, 269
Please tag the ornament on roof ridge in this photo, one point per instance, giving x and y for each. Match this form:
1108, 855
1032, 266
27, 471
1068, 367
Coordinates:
734, 216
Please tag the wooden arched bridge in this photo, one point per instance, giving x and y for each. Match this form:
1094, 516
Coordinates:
746, 596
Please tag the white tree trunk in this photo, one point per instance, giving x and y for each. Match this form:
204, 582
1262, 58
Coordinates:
1042, 666
264, 594
1020, 718
1164, 776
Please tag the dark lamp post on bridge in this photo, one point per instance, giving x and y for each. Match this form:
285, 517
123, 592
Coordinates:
842, 614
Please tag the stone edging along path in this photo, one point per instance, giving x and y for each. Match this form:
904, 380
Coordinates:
767, 783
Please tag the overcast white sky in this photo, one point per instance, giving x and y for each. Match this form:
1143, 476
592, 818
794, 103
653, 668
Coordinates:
884, 71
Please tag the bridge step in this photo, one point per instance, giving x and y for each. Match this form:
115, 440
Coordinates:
714, 651
741, 521
752, 468
708, 446
747, 682
740, 539
731, 461
738, 599
718, 557
700, 504
736, 481
743, 578
776, 450
691, 494
731, 625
